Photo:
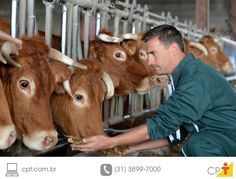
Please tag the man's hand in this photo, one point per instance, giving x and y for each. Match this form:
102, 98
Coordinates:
93, 143
98, 142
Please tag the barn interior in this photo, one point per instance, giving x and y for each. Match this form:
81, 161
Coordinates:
82, 20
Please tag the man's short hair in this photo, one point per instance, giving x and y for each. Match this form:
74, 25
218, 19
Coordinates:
167, 34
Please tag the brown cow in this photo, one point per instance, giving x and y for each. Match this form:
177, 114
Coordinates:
134, 44
136, 47
7, 128
126, 73
207, 50
28, 83
78, 112
210, 52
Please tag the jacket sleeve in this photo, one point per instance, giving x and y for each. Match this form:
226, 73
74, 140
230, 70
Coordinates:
187, 103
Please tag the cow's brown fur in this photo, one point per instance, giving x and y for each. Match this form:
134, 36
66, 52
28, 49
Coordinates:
218, 59
26, 112
31, 114
125, 74
136, 48
7, 128
5, 116
74, 120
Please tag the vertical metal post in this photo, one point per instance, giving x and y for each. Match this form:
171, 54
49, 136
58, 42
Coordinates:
63, 28
75, 26
112, 107
98, 22
125, 26
104, 20
190, 30
176, 21
69, 28
116, 25
133, 28
168, 18
22, 19
79, 45
119, 99
14, 5
87, 15
48, 21
138, 26
31, 22
145, 16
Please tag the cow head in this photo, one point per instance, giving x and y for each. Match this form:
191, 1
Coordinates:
125, 71
28, 83
134, 44
217, 55
77, 109
136, 47
210, 52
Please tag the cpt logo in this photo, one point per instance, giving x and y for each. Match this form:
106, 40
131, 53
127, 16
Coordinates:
224, 171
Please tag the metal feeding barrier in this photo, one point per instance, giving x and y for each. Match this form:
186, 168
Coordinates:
81, 20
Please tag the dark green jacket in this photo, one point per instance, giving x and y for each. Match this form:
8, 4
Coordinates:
202, 96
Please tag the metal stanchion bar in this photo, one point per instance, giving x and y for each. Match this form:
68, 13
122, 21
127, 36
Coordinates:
31, 22
124, 14
98, 22
69, 28
22, 19
87, 15
112, 107
79, 45
116, 25
48, 21
104, 19
63, 28
75, 33
125, 26
14, 7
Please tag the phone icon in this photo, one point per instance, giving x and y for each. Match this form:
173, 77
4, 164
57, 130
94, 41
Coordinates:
106, 169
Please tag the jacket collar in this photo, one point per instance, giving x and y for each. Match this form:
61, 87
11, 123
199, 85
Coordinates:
179, 68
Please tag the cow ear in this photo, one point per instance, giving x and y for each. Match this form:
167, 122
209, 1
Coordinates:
61, 73
130, 46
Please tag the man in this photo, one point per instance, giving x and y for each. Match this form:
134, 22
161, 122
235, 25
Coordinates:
202, 104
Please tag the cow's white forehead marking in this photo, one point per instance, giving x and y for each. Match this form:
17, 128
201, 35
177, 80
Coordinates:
30, 91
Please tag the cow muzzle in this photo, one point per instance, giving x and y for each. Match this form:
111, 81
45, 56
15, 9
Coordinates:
41, 140
7, 136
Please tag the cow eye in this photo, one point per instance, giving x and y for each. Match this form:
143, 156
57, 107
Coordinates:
213, 50
143, 54
120, 55
79, 97
24, 84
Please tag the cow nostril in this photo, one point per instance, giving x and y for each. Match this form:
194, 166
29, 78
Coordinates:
48, 140
12, 137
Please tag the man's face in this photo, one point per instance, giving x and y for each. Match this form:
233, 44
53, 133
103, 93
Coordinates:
159, 56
